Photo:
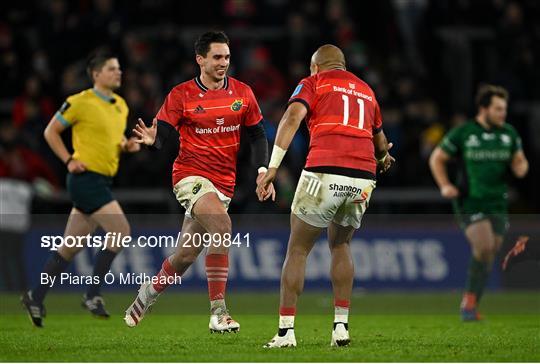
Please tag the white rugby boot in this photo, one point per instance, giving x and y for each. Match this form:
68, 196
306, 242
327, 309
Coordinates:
135, 313
340, 334
284, 339
221, 322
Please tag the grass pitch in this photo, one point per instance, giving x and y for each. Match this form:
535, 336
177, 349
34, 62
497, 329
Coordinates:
388, 327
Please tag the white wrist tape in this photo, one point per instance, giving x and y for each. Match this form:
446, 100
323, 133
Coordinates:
262, 169
277, 156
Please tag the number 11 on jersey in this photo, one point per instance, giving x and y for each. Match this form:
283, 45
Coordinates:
345, 99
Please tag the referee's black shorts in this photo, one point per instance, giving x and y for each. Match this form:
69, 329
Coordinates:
89, 191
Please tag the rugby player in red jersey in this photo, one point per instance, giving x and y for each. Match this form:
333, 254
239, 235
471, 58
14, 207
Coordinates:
209, 112
347, 146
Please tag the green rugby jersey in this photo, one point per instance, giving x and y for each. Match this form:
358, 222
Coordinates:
486, 155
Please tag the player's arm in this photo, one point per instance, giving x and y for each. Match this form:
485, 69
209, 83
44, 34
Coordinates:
437, 163
259, 152
288, 126
259, 144
519, 164
384, 159
53, 137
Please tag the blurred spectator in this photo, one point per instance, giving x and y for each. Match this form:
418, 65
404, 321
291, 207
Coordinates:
32, 109
423, 58
23, 173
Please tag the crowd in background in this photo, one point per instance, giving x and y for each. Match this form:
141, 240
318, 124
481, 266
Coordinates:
424, 59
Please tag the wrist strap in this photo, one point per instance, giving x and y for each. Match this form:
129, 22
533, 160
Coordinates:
277, 156
262, 169
68, 160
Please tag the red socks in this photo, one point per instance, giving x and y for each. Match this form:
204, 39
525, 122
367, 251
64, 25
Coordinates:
166, 271
287, 311
217, 271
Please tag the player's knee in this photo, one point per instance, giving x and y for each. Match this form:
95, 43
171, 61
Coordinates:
485, 253
68, 253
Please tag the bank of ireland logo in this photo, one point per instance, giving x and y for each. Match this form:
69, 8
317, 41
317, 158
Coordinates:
196, 188
237, 105
220, 120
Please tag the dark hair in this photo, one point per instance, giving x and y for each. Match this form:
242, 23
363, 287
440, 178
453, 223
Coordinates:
486, 92
202, 45
96, 61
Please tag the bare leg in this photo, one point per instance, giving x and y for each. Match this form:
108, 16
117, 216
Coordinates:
483, 244
185, 256
301, 242
111, 218
342, 267
78, 224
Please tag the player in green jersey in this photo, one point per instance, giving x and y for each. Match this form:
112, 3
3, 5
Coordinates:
487, 147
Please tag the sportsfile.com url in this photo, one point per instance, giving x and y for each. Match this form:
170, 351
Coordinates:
197, 240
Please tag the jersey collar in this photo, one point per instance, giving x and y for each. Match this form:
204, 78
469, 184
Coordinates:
103, 96
199, 83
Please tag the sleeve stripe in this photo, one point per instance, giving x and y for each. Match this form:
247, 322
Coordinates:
302, 101
62, 120
449, 145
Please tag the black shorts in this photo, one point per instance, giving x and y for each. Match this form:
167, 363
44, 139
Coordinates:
89, 191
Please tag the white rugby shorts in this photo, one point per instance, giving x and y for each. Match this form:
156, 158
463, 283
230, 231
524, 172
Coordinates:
321, 198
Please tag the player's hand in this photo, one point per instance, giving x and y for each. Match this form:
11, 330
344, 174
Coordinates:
265, 187
131, 145
145, 135
449, 191
387, 161
76, 166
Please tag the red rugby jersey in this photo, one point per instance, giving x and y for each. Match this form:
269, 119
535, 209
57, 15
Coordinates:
343, 115
209, 123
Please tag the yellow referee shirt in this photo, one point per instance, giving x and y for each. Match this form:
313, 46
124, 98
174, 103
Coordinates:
98, 123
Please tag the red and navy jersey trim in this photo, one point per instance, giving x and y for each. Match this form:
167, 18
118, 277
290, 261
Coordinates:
203, 88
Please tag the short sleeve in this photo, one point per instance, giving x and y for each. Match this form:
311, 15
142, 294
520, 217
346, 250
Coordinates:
451, 142
304, 93
68, 114
377, 121
253, 114
172, 109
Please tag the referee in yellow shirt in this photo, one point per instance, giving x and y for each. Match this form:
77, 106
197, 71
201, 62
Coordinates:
98, 119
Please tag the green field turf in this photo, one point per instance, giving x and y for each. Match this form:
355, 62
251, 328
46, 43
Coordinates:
388, 327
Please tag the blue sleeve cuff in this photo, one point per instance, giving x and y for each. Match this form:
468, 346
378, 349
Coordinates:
62, 120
